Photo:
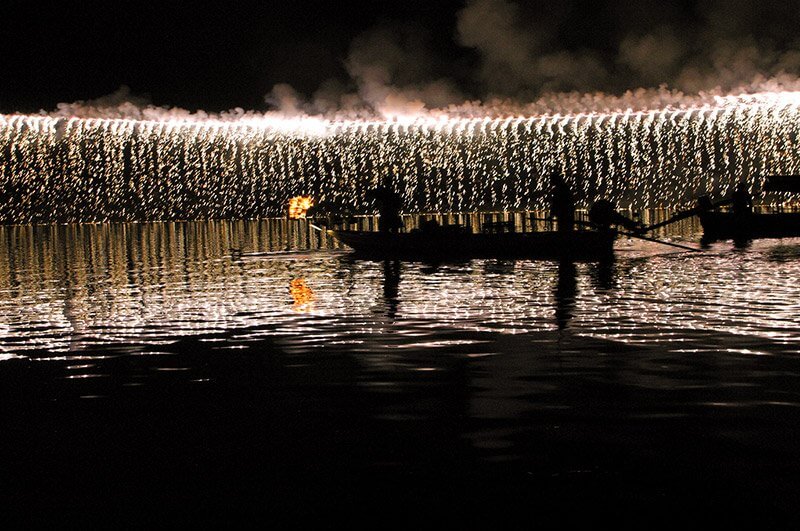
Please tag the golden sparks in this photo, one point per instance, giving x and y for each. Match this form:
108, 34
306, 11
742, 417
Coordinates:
70, 169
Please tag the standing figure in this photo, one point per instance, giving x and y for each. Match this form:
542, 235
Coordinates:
389, 203
562, 206
742, 200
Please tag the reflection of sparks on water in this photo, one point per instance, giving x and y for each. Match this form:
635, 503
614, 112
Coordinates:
302, 295
299, 205
68, 287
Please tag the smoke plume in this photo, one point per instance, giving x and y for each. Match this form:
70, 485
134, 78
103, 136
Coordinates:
512, 57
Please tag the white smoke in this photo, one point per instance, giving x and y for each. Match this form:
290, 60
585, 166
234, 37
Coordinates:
724, 47
661, 59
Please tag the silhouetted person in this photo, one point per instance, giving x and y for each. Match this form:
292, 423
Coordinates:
742, 200
603, 214
742, 208
429, 225
389, 203
562, 206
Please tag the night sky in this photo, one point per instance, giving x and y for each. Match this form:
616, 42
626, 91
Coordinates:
214, 57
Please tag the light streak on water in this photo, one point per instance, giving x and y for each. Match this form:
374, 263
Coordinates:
77, 169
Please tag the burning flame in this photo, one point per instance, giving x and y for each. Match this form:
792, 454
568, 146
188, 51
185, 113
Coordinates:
298, 206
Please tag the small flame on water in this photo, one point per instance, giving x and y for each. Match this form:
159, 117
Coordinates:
299, 205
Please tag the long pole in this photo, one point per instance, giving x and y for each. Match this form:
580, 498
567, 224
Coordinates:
662, 242
633, 235
686, 214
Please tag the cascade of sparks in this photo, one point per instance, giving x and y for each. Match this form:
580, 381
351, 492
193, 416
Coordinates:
74, 169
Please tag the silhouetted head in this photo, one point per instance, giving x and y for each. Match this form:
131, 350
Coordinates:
704, 203
602, 213
742, 187
376, 193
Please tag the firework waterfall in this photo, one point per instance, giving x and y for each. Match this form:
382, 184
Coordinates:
56, 169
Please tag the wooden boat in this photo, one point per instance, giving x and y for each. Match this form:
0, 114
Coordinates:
449, 243
749, 226
730, 226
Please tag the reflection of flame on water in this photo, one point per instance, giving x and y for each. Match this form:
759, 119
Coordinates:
299, 205
302, 295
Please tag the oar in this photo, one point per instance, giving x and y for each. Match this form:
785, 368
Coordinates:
687, 214
677, 217
662, 242
550, 219
633, 235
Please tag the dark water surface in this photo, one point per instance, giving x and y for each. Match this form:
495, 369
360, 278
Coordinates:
217, 368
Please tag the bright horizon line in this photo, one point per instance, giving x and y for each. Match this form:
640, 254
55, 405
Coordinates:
437, 119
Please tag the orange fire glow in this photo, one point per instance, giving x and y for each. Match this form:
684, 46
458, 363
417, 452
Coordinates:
299, 205
302, 295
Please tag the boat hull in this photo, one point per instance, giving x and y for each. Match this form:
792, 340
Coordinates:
729, 226
579, 245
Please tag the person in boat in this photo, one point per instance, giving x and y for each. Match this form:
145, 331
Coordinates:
429, 225
603, 214
742, 204
562, 205
389, 203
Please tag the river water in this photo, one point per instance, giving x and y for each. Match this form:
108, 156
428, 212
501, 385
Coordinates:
258, 365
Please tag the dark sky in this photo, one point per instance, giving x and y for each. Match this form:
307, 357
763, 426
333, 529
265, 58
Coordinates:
204, 55
208, 55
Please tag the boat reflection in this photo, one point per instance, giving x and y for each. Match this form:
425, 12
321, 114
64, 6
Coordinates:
784, 253
499, 267
565, 293
604, 275
391, 286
